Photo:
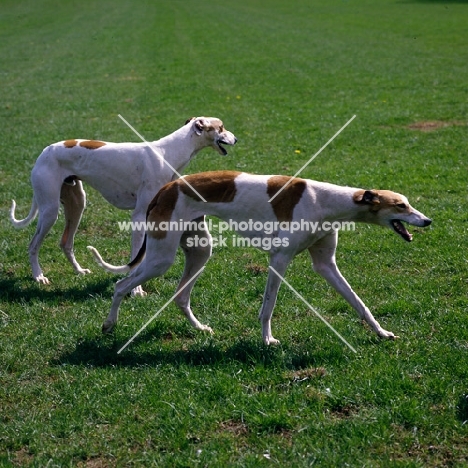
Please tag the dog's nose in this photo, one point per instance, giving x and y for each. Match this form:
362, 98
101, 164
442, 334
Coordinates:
427, 221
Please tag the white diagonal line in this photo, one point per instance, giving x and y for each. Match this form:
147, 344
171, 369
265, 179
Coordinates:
158, 155
313, 310
312, 158
160, 310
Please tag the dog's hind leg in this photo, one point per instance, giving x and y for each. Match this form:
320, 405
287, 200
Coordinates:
160, 255
323, 259
46, 188
73, 198
195, 258
138, 217
47, 217
279, 261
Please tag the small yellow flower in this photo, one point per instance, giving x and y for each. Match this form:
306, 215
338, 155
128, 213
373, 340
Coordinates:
297, 151
238, 97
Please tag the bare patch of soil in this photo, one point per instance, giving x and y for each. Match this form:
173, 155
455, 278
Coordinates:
431, 125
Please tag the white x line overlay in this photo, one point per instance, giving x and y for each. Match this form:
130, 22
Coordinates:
160, 310
313, 310
312, 158
158, 155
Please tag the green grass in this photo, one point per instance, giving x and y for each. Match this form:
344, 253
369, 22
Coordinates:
284, 77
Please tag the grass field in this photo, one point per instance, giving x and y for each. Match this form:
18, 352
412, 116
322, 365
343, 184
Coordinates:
284, 77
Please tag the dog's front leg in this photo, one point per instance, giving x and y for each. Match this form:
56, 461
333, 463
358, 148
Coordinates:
323, 259
280, 263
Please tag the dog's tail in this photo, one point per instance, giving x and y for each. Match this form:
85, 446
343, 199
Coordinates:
122, 268
21, 223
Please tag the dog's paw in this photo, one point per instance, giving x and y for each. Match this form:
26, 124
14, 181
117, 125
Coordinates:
206, 328
83, 271
387, 335
41, 279
138, 292
108, 327
269, 340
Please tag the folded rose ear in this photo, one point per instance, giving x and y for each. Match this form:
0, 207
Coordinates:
189, 120
368, 197
201, 125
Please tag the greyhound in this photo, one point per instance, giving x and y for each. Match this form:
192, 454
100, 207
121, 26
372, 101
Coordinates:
127, 175
303, 216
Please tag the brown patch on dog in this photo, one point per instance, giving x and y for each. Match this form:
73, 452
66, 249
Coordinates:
379, 199
283, 205
388, 198
431, 125
70, 143
366, 197
92, 144
161, 207
213, 186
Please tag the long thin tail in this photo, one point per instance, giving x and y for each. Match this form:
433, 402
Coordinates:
21, 223
122, 268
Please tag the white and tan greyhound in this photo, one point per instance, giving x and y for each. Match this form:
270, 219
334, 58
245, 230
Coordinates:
127, 175
235, 197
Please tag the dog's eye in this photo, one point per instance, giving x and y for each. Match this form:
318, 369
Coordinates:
401, 205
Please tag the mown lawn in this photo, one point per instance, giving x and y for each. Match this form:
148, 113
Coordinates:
284, 77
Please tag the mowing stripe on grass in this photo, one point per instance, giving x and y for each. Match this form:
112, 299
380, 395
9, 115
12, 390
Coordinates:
313, 309
312, 158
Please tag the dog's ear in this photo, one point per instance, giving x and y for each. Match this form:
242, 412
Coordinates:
366, 197
189, 120
200, 125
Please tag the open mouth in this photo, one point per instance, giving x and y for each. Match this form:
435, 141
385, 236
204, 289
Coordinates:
221, 149
225, 138
401, 230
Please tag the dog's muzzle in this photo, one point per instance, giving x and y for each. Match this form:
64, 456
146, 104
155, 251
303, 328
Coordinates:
225, 139
401, 230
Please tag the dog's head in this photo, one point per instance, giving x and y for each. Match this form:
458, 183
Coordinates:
390, 209
213, 131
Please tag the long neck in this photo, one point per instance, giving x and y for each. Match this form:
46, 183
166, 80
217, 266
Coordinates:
179, 147
337, 204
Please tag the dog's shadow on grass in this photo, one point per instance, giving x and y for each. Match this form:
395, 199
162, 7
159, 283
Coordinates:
462, 408
105, 351
14, 290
